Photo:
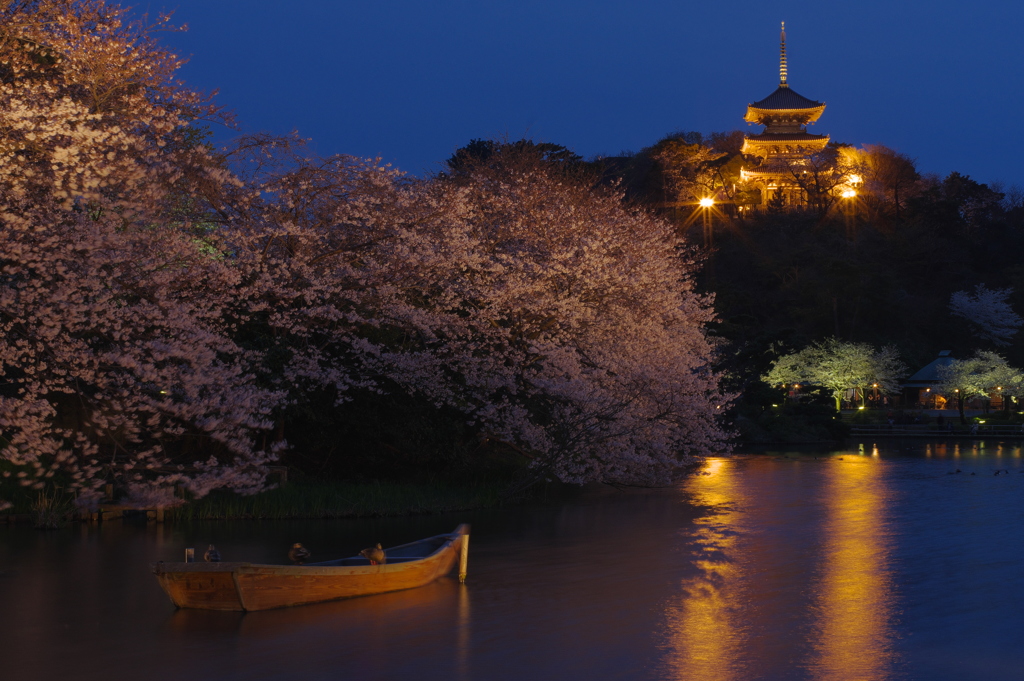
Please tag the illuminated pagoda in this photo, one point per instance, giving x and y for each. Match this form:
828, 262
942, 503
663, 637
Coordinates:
784, 146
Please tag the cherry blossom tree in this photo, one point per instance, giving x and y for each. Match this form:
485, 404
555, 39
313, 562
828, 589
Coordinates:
162, 306
115, 367
963, 380
560, 323
988, 313
840, 366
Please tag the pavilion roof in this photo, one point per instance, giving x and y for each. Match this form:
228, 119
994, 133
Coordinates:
928, 375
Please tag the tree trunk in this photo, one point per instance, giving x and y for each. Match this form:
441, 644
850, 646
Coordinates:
960, 406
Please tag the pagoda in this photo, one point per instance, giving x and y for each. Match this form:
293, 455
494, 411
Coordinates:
783, 148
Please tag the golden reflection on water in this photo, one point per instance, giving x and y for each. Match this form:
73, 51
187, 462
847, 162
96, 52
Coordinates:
834, 617
704, 627
853, 612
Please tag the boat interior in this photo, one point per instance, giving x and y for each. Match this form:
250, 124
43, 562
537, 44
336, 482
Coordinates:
399, 554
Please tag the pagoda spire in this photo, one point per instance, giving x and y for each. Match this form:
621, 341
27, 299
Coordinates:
783, 67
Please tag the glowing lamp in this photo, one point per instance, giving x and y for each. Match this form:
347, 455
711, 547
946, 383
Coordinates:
706, 202
849, 193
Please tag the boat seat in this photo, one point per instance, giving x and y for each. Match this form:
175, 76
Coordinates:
359, 560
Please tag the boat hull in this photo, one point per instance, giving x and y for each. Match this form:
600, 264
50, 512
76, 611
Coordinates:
248, 587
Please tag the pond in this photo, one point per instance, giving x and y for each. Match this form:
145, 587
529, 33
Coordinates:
871, 563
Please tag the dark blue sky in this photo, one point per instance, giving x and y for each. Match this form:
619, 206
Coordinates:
412, 80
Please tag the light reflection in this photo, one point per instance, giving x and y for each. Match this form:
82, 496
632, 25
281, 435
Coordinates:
462, 642
751, 605
854, 611
705, 628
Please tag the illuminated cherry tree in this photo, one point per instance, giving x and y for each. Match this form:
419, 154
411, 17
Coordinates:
561, 323
114, 366
161, 306
840, 366
964, 380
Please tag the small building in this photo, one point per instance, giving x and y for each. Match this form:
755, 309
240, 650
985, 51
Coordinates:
919, 389
782, 150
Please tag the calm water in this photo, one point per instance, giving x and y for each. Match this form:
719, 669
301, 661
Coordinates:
859, 565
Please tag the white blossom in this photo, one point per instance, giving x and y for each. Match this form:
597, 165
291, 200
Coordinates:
988, 312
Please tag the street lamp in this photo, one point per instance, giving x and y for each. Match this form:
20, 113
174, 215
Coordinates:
706, 204
849, 197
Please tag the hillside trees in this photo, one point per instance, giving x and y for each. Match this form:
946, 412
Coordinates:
690, 170
892, 176
823, 174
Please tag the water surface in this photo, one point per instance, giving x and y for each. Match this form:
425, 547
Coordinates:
875, 563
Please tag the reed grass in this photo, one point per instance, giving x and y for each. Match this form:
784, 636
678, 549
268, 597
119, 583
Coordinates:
327, 499
53, 508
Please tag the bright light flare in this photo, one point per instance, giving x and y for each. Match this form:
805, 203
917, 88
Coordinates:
849, 193
706, 202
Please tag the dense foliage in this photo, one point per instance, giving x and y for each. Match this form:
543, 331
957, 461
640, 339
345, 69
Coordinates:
171, 316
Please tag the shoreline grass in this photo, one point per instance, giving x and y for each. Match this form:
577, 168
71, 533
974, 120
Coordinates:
330, 499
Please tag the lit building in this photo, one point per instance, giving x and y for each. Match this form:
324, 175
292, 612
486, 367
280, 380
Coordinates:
783, 148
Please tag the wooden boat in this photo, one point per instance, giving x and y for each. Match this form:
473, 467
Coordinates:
248, 586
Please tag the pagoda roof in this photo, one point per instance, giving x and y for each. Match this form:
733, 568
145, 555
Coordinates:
786, 98
786, 137
784, 101
804, 142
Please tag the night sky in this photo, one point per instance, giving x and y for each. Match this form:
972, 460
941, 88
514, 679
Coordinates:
412, 80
